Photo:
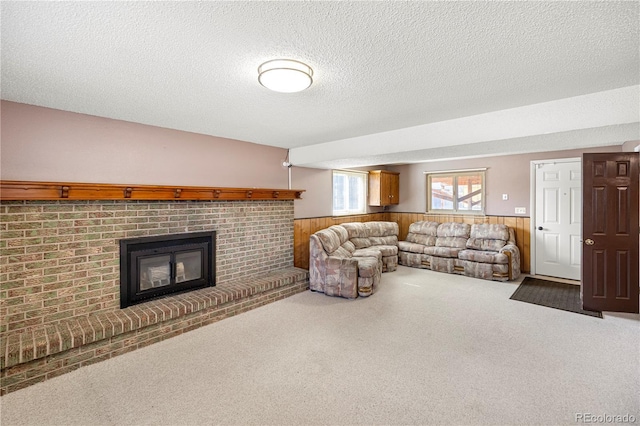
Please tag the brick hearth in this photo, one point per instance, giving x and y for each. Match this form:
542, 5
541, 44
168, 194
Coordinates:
40, 353
59, 289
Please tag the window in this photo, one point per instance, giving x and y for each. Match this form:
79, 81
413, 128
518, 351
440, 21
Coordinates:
456, 192
349, 192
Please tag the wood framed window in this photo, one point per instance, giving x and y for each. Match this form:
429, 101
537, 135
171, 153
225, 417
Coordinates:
456, 191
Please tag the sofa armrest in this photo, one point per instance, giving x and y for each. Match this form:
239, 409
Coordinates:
513, 254
341, 277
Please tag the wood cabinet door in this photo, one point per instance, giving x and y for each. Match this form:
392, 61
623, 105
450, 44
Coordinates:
375, 188
394, 188
384, 188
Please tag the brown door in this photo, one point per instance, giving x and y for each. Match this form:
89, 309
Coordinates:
610, 232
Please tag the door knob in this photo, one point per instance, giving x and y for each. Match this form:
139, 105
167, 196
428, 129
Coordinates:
589, 242
540, 228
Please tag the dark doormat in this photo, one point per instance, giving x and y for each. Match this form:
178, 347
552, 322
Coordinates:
552, 294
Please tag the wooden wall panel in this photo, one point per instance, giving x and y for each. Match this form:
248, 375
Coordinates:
393, 217
301, 233
303, 228
405, 221
525, 257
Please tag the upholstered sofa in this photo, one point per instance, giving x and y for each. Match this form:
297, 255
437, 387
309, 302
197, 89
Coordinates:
347, 260
485, 251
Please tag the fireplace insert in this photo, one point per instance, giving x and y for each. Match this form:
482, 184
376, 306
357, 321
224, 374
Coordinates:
153, 267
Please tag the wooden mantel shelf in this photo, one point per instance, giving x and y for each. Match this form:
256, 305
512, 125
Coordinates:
24, 190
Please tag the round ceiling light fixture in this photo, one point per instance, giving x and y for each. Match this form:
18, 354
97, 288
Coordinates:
285, 75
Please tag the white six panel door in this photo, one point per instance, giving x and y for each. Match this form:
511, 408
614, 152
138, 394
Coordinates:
559, 219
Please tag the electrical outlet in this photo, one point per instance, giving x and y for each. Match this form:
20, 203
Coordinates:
521, 210
505, 197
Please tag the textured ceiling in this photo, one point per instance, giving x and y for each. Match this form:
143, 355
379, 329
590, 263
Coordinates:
378, 66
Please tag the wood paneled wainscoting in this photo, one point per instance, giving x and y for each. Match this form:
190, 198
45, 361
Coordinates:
303, 228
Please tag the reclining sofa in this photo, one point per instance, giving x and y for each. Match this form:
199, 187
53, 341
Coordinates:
485, 251
347, 260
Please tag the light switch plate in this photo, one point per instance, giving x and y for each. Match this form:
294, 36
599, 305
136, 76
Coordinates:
521, 210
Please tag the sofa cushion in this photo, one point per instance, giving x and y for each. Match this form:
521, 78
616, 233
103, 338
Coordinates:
453, 234
367, 266
488, 237
348, 245
355, 230
490, 231
387, 250
424, 228
454, 229
368, 252
411, 247
423, 232
342, 233
329, 240
360, 242
485, 244
483, 256
453, 242
384, 241
425, 240
442, 251
381, 229
341, 252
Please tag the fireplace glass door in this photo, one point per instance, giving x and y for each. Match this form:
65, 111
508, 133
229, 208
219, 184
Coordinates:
154, 267
162, 270
188, 266
154, 271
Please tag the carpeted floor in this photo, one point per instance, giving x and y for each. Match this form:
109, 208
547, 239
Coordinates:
552, 294
427, 348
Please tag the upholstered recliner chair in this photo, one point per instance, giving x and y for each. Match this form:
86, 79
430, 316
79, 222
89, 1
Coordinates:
491, 253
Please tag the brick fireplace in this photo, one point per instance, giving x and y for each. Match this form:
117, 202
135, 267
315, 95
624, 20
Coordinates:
60, 272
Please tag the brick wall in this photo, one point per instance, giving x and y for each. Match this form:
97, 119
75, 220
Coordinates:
60, 259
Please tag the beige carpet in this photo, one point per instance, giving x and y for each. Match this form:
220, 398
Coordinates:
428, 348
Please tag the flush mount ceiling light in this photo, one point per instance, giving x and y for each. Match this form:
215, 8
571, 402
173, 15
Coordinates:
285, 75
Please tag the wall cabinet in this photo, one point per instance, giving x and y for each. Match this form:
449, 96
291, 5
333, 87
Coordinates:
384, 188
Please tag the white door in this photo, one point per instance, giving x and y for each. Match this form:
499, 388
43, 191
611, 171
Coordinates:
558, 219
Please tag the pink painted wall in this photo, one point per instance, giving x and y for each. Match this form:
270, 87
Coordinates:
631, 146
317, 200
42, 144
505, 175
